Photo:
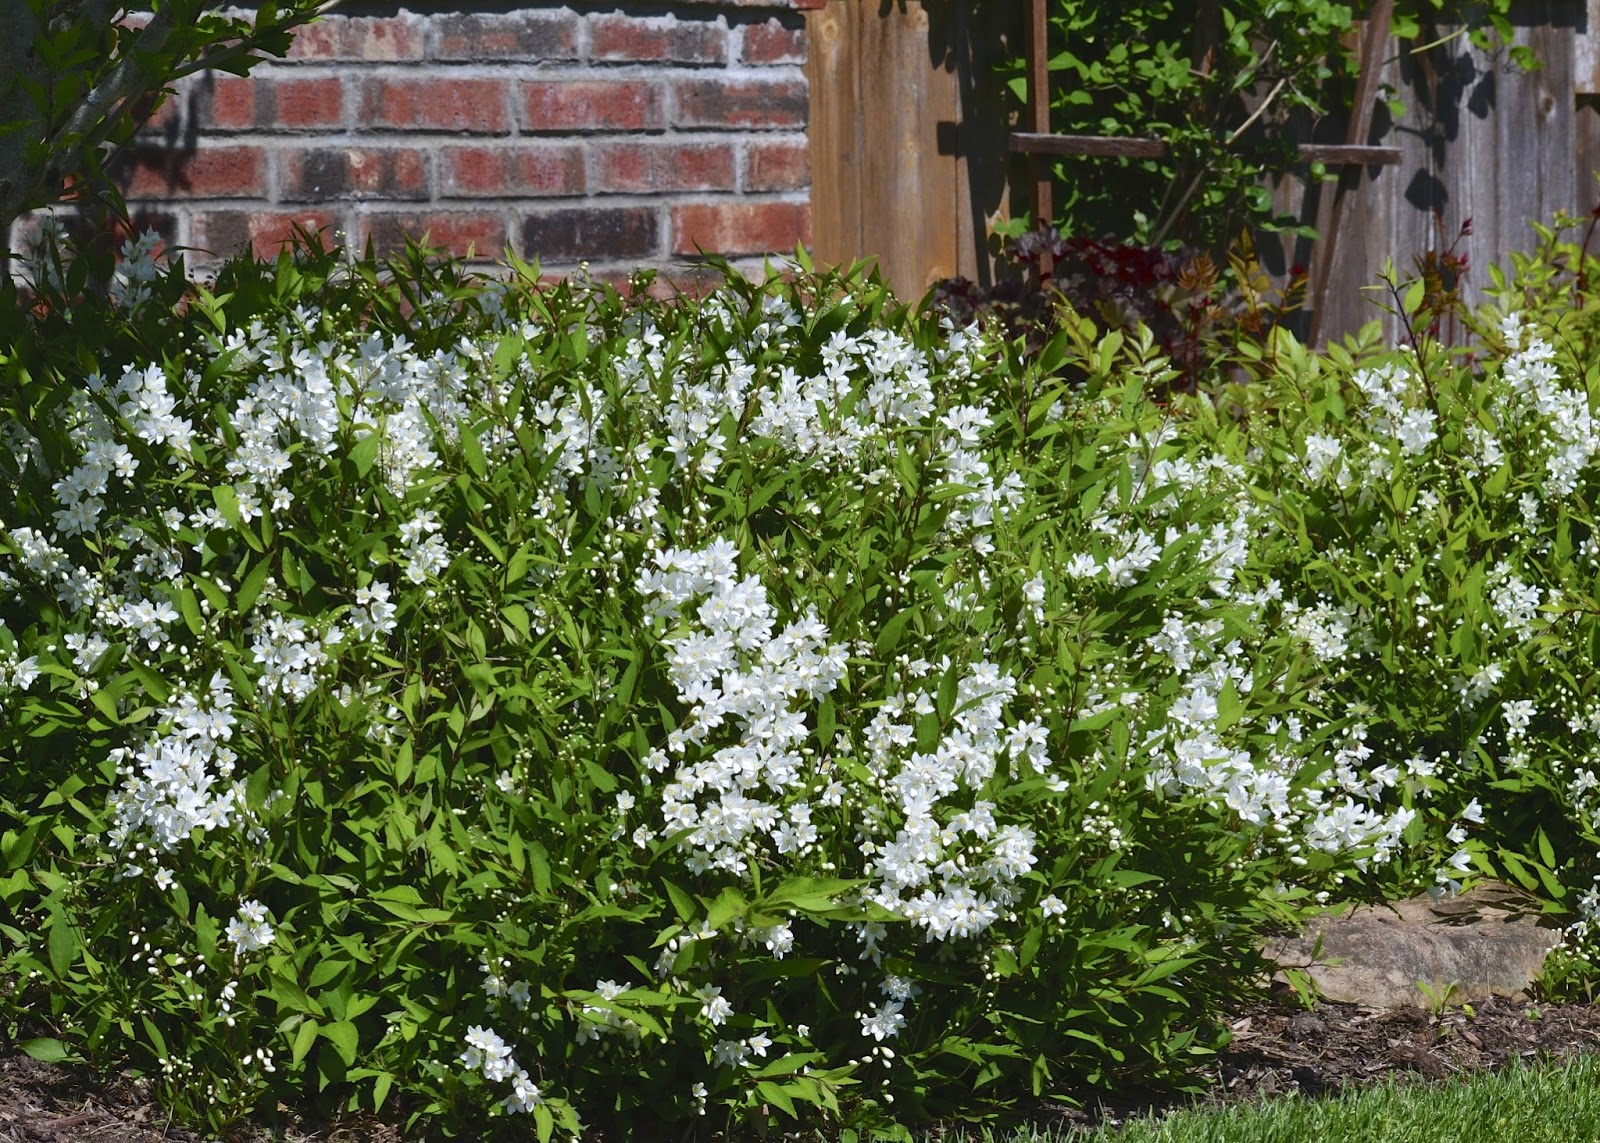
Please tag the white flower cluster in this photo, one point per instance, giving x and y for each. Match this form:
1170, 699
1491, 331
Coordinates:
884, 1020
251, 930
425, 552
179, 781
1533, 393
136, 269
1392, 411
732, 670
289, 657
489, 1055
596, 1020
949, 870
17, 673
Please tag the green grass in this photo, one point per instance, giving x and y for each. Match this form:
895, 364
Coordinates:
1558, 1103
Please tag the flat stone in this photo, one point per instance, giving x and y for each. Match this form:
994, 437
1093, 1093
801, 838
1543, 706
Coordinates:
1485, 942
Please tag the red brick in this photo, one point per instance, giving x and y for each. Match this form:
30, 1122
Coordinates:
741, 103
227, 102
315, 102
489, 171
651, 166
376, 39
777, 167
591, 105
774, 42
636, 39
435, 104
212, 171
233, 103
458, 233
573, 234
222, 233
740, 227
328, 174
513, 36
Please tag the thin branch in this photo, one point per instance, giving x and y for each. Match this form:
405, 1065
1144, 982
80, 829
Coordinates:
243, 47
1257, 113
1194, 183
90, 122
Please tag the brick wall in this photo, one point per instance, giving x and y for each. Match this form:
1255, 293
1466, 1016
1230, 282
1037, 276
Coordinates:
618, 134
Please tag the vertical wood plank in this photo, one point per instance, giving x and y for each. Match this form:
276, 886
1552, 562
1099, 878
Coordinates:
991, 181
1586, 51
1039, 108
909, 134
908, 191
938, 169
835, 131
1480, 140
882, 189
1586, 152
1332, 207
969, 234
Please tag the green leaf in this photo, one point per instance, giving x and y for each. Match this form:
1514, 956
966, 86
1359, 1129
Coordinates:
250, 590
45, 1049
472, 451
304, 1037
1547, 852
364, 453
345, 1039
62, 944
227, 502
682, 903
189, 608
776, 1096
730, 903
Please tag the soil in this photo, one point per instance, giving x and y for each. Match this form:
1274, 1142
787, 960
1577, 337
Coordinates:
1277, 1049
46, 1103
1280, 1048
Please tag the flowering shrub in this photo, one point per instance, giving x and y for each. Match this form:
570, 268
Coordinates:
454, 696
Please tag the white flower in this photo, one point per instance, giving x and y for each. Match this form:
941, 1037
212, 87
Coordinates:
883, 1021
1053, 906
715, 1006
250, 930
488, 1053
524, 1093
1517, 715
1415, 431
1322, 456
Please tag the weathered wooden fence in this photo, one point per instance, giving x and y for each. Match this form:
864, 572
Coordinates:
908, 134
1479, 140
909, 131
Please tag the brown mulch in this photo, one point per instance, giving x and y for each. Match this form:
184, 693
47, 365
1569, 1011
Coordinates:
1277, 1049
46, 1103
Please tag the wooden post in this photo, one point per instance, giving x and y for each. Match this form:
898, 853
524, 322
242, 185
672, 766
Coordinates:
1039, 104
1330, 209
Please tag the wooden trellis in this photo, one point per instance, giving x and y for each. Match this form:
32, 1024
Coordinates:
1039, 144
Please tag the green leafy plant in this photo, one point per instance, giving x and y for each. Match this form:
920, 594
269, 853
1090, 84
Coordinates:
1225, 84
446, 696
78, 77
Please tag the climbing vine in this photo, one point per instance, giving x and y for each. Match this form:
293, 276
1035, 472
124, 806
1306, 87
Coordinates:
1228, 85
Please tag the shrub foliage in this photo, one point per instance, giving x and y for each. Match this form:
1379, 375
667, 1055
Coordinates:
452, 697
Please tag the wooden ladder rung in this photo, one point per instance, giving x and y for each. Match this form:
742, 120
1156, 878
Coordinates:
1119, 147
